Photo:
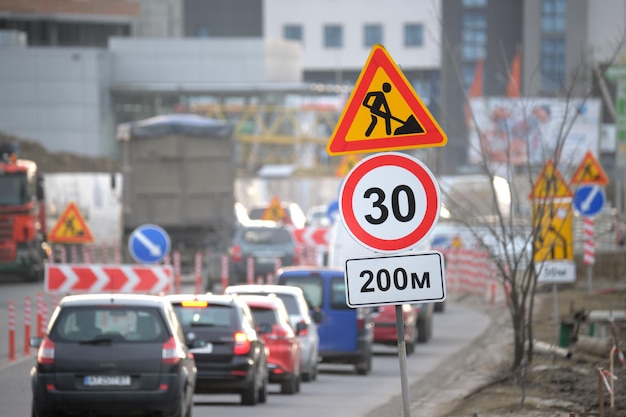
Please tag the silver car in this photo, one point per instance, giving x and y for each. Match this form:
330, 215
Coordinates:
299, 317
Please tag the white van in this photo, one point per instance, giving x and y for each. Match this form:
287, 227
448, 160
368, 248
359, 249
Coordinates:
343, 247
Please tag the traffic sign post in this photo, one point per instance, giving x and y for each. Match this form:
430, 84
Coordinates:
149, 244
389, 202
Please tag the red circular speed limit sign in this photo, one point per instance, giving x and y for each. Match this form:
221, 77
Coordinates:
389, 202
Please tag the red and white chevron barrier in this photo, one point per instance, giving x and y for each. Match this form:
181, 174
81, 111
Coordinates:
317, 237
589, 245
82, 278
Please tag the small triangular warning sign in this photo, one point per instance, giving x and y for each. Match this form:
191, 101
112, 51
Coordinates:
550, 184
384, 113
590, 172
274, 211
345, 166
71, 227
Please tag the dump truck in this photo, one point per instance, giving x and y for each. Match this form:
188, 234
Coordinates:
179, 173
23, 246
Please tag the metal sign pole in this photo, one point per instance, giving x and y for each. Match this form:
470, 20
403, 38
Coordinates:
404, 381
556, 312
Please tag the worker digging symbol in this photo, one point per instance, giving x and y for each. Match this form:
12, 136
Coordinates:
69, 228
376, 102
588, 174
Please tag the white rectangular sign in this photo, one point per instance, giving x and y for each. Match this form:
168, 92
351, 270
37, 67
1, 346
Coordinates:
415, 278
556, 272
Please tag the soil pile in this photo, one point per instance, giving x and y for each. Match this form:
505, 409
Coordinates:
53, 162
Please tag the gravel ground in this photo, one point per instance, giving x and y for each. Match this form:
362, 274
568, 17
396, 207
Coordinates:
478, 382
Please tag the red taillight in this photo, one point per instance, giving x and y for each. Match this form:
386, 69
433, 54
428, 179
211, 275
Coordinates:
235, 253
242, 344
170, 352
45, 355
360, 324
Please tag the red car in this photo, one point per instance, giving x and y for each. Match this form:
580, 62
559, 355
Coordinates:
385, 329
272, 323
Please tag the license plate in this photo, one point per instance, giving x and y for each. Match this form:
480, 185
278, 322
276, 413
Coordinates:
107, 380
208, 348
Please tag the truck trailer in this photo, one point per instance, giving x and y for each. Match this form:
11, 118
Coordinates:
179, 174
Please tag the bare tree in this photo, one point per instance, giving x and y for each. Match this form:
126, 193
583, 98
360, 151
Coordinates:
518, 237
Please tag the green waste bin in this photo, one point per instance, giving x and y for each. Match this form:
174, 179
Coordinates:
565, 334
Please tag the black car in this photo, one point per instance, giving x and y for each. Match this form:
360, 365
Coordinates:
268, 243
230, 356
113, 353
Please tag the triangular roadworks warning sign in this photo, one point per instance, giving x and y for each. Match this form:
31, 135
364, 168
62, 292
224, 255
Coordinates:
384, 113
274, 211
550, 184
590, 172
71, 227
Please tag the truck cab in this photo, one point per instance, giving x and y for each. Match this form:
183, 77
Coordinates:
22, 217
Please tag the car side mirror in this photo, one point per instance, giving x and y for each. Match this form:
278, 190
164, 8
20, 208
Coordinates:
264, 328
317, 317
35, 342
301, 326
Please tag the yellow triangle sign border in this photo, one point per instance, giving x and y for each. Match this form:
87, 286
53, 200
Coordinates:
432, 135
54, 236
590, 160
560, 182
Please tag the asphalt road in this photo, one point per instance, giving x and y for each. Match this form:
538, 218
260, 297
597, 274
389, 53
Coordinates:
338, 391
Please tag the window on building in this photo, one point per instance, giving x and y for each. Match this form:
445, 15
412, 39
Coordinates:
468, 70
372, 34
293, 32
553, 26
474, 3
413, 34
553, 16
552, 63
474, 35
333, 36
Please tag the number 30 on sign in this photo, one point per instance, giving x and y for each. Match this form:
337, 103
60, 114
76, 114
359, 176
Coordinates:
389, 202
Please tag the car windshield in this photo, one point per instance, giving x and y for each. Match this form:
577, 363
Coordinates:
338, 294
211, 315
265, 235
288, 299
264, 315
13, 189
310, 285
114, 324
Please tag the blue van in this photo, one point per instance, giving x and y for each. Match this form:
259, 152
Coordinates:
346, 334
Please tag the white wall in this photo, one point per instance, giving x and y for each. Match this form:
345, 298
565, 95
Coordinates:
192, 63
353, 15
53, 96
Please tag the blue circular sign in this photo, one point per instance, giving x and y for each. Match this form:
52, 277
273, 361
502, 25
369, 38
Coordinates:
149, 244
589, 200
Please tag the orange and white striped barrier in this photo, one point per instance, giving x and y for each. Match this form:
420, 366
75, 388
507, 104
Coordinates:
250, 270
27, 321
41, 308
176, 258
198, 272
11, 331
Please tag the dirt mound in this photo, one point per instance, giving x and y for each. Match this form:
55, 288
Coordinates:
52, 162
